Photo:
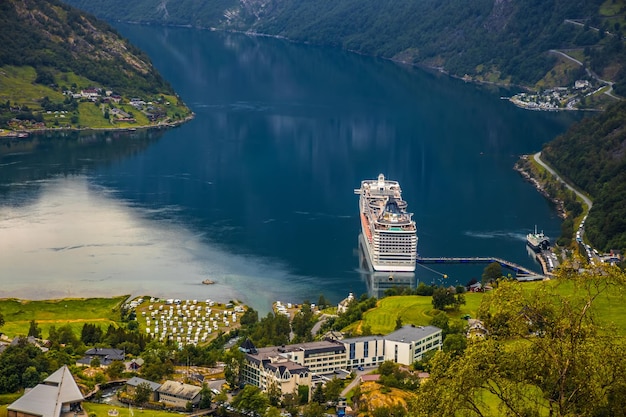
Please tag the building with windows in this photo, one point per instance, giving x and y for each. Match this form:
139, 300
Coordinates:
289, 366
365, 351
408, 344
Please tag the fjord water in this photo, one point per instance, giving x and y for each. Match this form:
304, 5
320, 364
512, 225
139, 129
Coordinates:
256, 193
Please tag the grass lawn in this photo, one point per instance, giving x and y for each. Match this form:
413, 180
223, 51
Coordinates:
609, 308
91, 115
412, 309
18, 313
102, 410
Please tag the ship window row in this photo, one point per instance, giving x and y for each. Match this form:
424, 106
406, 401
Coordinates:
400, 248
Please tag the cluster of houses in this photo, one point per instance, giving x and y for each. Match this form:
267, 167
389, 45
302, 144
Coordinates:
290, 366
555, 98
94, 94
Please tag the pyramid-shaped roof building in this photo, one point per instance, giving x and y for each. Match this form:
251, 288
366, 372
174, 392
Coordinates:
58, 393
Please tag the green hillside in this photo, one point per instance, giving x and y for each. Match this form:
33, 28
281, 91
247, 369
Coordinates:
592, 155
62, 68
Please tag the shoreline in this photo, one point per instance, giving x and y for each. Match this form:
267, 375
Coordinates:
528, 175
25, 133
439, 69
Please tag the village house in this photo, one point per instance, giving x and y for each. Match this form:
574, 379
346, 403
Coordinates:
104, 355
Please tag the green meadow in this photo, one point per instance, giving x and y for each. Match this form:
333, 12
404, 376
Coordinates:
609, 308
74, 311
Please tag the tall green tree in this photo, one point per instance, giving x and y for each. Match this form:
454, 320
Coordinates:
250, 398
492, 273
34, 330
142, 393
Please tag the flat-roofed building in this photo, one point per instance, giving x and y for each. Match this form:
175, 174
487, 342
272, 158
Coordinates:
408, 344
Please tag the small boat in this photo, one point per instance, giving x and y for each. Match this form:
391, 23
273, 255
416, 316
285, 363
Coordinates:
208, 282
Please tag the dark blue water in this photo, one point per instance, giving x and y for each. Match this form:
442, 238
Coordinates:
257, 191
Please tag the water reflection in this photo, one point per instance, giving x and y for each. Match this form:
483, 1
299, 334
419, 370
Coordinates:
76, 239
379, 282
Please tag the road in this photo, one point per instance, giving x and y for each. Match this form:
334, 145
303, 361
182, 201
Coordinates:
316, 327
608, 92
586, 199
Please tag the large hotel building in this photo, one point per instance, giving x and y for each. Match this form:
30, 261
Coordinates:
301, 364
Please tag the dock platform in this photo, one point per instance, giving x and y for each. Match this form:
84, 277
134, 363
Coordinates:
521, 273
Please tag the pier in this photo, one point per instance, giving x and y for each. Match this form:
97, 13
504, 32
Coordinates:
521, 273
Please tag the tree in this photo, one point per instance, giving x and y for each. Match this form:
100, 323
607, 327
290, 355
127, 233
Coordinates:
272, 411
291, 403
313, 410
31, 377
273, 393
333, 389
115, 369
322, 302
442, 321
250, 317
206, 395
142, 393
95, 362
398, 323
250, 398
1, 320
34, 330
303, 322
303, 394
555, 358
442, 297
492, 273
318, 394
234, 360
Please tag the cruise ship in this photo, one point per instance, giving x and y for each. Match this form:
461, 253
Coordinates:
537, 241
389, 231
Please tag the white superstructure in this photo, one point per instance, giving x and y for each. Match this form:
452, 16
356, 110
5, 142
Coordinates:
389, 232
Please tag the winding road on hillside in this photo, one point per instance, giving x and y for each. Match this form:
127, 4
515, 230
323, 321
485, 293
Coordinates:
608, 92
586, 199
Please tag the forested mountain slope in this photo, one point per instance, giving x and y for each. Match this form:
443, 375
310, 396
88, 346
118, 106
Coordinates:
592, 155
52, 36
505, 41
61, 68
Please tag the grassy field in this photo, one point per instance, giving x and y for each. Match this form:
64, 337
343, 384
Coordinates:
76, 312
609, 308
16, 84
412, 309
102, 410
